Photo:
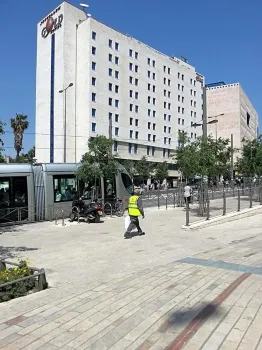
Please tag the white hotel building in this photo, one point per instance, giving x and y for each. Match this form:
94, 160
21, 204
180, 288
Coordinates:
148, 95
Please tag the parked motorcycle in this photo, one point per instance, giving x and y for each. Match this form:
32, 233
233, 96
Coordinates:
91, 212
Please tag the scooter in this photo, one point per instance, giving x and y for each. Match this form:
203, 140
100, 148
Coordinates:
91, 212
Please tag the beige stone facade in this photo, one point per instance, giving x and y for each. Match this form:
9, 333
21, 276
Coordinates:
239, 116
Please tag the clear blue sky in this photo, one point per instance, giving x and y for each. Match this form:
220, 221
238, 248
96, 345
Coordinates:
222, 39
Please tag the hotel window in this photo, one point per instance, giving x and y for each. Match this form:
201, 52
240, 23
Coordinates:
148, 73
169, 141
154, 114
154, 101
131, 134
116, 46
154, 126
130, 148
154, 138
136, 109
154, 76
131, 121
169, 71
131, 93
182, 87
149, 137
178, 75
116, 103
164, 116
136, 82
93, 66
136, 122
110, 101
110, 43
116, 89
115, 146
164, 92
94, 35
110, 57
154, 63
183, 121
191, 102
116, 131
191, 113
131, 80
169, 130
93, 97
110, 72
178, 109
93, 81
169, 82
148, 150
136, 95
191, 92
148, 99
165, 140
153, 151
149, 112
194, 103
135, 148
116, 74
164, 128
169, 94
93, 50
148, 125
179, 120
148, 87
116, 60
116, 118
169, 106
130, 53
110, 86
93, 127
195, 114
169, 118
93, 112
131, 66
191, 81
178, 97
183, 99
183, 110
154, 88
164, 69
194, 93
148, 61
165, 81
136, 135
110, 116
178, 86
164, 104
136, 55
136, 68
182, 77
131, 107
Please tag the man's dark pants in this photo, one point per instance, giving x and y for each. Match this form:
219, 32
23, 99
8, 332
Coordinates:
134, 222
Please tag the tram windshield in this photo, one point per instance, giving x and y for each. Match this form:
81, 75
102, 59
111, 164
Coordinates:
65, 188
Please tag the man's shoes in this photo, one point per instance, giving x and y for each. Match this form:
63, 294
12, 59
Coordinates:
141, 233
127, 235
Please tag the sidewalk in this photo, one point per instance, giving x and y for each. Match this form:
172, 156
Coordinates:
166, 290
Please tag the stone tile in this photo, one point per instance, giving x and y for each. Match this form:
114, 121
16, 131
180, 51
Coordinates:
9, 339
53, 334
67, 317
193, 345
122, 344
23, 341
16, 320
229, 345
36, 344
243, 324
41, 331
8, 331
63, 339
214, 341
235, 335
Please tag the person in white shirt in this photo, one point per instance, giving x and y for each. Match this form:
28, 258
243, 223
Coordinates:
187, 193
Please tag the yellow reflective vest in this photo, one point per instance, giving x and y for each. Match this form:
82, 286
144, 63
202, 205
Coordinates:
132, 206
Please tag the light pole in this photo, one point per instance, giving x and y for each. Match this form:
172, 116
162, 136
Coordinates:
61, 92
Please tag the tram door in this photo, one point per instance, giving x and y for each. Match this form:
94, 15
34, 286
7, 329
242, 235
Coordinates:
13, 195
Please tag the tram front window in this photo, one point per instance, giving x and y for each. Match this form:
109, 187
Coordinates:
65, 188
4, 193
127, 182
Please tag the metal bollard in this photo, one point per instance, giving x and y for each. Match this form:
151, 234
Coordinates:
251, 198
174, 198
187, 213
158, 200
224, 203
213, 197
238, 199
208, 209
260, 195
166, 202
63, 218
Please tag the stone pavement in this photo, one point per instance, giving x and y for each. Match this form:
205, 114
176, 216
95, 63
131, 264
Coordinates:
168, 290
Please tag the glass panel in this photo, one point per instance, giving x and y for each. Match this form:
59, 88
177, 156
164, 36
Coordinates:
20, 192
65, 188
127, 182
4, 193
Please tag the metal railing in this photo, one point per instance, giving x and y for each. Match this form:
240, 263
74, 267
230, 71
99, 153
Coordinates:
223, 203
40, 273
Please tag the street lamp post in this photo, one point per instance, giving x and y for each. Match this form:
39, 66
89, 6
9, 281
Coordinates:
64, 91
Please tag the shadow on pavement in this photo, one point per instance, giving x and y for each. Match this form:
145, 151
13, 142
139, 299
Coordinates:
11, 252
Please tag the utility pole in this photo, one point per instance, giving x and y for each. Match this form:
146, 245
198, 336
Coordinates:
232, 157
204, 112
110, 133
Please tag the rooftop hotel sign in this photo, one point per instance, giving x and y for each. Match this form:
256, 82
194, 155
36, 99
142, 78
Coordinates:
51, 23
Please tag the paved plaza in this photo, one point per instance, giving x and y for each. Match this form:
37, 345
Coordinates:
170, 289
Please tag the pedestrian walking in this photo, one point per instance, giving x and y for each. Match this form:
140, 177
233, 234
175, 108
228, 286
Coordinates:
135, 209
187, 194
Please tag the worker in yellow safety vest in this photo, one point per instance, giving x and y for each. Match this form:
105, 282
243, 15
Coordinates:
135, 209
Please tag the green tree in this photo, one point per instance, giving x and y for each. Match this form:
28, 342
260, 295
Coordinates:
130, 166
143, 168
98, 161
250, 162
28, 157
161, 171
19, 124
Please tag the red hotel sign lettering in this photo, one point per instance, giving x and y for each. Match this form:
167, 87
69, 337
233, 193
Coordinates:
51, 24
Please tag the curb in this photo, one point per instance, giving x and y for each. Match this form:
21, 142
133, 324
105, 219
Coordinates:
245, 213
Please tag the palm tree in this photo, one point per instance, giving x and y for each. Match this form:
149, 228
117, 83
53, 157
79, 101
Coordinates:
19, 124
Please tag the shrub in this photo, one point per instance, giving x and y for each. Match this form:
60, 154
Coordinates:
17, 289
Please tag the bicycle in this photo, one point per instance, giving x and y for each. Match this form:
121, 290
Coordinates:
114, 208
